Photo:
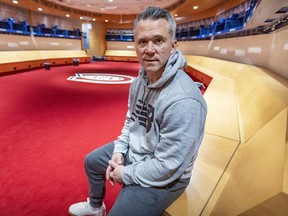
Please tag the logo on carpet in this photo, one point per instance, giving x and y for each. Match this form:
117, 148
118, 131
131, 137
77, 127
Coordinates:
101, 78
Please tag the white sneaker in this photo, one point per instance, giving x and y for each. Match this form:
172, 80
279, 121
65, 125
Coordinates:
85, 209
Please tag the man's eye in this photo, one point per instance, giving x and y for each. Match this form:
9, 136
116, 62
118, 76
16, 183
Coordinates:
159, 40
141, 43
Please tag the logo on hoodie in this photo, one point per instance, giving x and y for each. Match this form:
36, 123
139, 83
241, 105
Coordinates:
145, 115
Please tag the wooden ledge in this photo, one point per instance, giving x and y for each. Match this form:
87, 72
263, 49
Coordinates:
120, 55
13, 61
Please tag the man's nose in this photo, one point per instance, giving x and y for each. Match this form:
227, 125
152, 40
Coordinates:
150, 48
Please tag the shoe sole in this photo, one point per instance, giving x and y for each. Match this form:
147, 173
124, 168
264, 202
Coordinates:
71, 214
77, 215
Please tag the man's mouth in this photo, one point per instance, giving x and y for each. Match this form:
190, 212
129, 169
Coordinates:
150, 60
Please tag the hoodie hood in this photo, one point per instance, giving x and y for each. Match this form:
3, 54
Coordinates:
176, 61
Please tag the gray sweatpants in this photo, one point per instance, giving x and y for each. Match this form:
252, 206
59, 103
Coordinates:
133, 199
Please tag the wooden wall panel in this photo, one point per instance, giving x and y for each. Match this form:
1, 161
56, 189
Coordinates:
214, 155
279, 53
20, 43
257, 170
251, 50
97, 39
121, 45
285, 172
248, 107
13, 61
257, 102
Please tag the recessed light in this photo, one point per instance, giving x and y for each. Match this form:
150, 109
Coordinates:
40, 9
195, 7
94, 19
106, 20
15, 2
67, 15
81, 18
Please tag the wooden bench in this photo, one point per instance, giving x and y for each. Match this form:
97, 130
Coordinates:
13, 61
242, 157
120, 55
242, 160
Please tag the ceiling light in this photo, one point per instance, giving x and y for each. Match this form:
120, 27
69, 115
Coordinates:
94, 19
40, 9
179, 18
81, 18
67, 15
195, 7
106, 20
15, 2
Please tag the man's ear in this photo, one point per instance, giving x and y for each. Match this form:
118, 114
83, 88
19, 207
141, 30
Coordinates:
174, 46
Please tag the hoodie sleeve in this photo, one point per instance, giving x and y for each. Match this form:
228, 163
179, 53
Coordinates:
181, 132
122, 143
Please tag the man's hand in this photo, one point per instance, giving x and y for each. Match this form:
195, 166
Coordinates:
116, 172
117, 159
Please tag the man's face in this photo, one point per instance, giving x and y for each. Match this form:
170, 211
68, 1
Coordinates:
154, 45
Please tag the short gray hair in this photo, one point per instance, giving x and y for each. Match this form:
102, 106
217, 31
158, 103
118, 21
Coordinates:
156, 13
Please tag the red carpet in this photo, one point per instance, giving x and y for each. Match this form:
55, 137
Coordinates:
48, 125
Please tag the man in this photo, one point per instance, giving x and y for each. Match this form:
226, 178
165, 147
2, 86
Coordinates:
154, 156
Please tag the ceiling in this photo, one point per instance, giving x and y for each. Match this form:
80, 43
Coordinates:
134, 6
124, 11
114, 6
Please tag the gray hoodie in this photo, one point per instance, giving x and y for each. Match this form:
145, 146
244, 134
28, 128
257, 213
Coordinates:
164, 127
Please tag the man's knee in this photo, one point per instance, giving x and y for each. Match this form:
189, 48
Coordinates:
93, 159
89, 160
97, 160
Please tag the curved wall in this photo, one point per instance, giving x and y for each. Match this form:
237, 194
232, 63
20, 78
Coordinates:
267, 50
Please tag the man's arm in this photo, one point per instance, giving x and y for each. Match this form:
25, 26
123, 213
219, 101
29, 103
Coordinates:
121, 145
181, 133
